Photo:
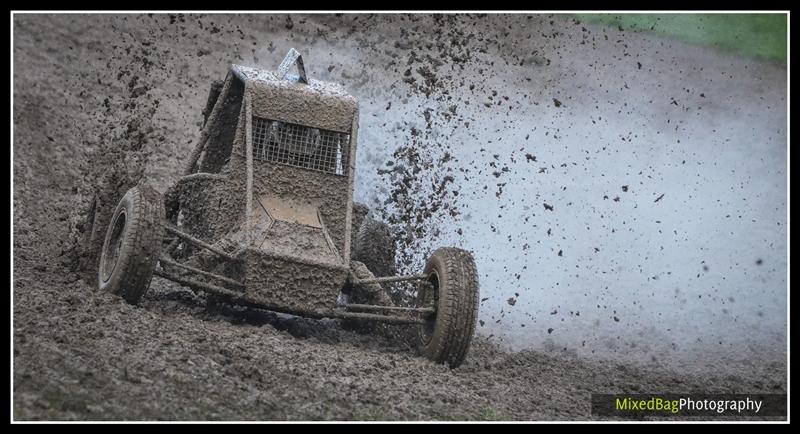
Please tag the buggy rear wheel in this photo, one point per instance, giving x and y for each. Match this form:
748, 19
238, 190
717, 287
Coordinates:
374, 247
132, 244
453, 290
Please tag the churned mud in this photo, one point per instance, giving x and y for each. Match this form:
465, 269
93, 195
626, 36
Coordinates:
83, 354
102, 103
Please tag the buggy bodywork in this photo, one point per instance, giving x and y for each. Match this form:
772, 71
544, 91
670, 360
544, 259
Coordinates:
263, 213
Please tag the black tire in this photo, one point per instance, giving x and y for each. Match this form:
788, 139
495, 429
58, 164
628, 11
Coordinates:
454, 290
374, 247
132, 244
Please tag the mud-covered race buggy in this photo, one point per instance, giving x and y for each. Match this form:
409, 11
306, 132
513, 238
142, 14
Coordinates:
263, 216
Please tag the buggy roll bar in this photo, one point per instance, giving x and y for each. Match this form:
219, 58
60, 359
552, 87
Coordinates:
205, 133
293, 57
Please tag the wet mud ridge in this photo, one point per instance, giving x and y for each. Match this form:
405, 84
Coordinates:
83, 354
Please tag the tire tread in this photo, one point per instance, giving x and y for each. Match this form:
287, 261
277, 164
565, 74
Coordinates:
457, 312
141, 245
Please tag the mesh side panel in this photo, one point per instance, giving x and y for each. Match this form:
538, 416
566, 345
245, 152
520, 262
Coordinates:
300, 146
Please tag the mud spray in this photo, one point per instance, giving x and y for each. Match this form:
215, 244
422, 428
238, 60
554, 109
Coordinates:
624, 201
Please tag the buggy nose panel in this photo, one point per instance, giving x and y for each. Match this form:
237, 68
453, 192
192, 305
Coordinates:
291, 262
293, 284
291, 228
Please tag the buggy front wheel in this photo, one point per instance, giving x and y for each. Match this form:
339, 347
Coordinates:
453, 290
132, 244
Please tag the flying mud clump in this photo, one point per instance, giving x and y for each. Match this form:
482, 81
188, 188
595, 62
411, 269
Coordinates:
117, 157
423, 195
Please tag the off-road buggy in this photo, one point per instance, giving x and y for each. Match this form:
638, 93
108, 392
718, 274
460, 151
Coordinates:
263, 216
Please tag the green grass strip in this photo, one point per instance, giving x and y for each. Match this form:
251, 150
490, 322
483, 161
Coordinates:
761, 36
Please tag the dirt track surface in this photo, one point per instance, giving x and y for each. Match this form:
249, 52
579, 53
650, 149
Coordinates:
83, 354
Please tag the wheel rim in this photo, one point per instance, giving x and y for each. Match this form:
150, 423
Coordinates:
430, 298
114, 245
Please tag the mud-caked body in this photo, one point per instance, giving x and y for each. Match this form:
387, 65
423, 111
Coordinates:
283, 190
263, 215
